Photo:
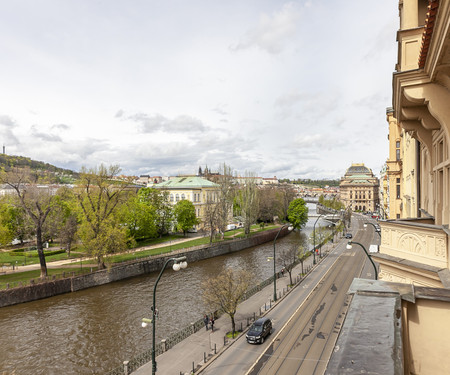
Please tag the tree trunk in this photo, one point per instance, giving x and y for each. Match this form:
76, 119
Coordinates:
40, 251
233, 325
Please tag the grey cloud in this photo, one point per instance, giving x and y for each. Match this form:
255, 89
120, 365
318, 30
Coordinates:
288, 100
60, 127
44, 136
7, 121
220, 110
119, 113
180, 124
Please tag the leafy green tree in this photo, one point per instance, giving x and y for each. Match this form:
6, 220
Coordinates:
163, 210
298, 213
184, 212
7, 233
139, 218
99, 197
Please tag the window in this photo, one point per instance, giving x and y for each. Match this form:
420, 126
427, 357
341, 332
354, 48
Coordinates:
183, 196
397, 150
171, 197
398, 191
177, 197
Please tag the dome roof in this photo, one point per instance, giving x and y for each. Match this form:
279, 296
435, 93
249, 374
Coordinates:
358, 169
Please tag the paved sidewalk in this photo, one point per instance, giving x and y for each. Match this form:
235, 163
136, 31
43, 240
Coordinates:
189, 353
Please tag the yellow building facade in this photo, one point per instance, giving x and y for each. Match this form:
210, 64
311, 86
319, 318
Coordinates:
415, 247
199, 191
359, 188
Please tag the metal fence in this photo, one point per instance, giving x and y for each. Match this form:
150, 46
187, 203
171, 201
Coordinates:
129, 366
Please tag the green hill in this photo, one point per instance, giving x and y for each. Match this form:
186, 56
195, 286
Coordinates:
43, 171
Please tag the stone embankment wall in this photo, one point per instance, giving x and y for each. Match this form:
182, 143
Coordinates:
130, 269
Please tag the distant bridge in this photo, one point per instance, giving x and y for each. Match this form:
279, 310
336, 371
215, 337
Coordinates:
311, 199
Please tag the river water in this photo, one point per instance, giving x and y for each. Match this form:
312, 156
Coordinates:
95, 330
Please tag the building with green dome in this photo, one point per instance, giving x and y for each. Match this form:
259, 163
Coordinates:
359, 189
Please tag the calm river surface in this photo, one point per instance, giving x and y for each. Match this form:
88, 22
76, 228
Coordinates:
95, 330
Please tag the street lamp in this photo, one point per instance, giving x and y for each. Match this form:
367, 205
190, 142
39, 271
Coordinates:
178, 264
349, 246
290, 227
376, 229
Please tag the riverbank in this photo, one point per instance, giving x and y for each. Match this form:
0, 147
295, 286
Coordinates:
73, 283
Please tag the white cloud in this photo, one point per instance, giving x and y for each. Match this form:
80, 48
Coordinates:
157, 88
272, 32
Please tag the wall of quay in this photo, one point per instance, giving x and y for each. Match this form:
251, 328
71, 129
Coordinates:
129, 269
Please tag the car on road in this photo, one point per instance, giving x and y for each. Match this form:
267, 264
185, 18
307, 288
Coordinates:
348, 235
259, 330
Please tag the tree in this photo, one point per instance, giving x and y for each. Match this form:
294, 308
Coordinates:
163, 210
298, 213
211, 214
225, 195
288, 259
225, 291
138, 215
302, 255
7, 234
35, 201
285, 195
66, 217
319, 235
100, 197
247, 201
184, 212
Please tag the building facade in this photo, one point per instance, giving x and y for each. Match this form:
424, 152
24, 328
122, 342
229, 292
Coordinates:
195, 189
415, 247
359, 189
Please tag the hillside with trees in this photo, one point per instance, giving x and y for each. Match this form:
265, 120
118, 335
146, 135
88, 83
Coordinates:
43, 172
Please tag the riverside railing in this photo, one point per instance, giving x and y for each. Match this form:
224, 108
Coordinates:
136, 362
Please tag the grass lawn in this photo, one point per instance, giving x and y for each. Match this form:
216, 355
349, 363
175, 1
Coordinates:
131, 254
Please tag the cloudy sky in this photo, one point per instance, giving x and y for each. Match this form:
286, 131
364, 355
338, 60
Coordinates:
293, 89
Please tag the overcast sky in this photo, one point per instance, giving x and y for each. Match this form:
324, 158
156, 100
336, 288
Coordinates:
294, 89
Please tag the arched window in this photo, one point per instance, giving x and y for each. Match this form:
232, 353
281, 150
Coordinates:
171, 197
177, 197
183, 196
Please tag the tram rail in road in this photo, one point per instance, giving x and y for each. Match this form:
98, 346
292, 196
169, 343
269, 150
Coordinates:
306, 323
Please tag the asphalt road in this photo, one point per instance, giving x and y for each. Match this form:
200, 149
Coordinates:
307, 322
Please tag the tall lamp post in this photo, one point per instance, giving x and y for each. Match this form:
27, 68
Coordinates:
349, 246
178, 264
290, 227
376, 229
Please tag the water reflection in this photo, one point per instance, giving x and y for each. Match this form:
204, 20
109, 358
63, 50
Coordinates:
94, 330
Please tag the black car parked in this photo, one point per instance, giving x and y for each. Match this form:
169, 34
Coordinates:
348, 235
259, 330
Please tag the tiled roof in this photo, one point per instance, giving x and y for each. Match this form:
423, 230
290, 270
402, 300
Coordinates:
428, 31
